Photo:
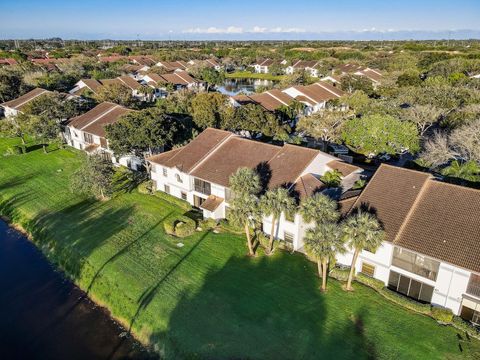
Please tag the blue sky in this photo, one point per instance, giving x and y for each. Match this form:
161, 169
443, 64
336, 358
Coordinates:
247, 19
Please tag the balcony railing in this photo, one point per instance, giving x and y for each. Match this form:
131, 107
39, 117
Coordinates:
474, 285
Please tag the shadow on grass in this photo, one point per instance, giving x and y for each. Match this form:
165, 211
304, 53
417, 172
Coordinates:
124, 250
149, 293
75, 232
258, 309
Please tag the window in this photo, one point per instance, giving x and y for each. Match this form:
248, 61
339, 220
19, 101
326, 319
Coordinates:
228, 195
410, 287
474, 285
88, 138
165, 172
197, 201
106, 156
202, 186
179, 178
415, 263
288, 237
368, 269
166, 189
184, 196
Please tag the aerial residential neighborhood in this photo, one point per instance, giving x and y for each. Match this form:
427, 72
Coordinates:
263, 180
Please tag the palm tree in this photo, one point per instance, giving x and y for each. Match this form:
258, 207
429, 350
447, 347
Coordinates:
322, 243
273, 203
469, 170
245, 185
332, 178
361, 231
319, 208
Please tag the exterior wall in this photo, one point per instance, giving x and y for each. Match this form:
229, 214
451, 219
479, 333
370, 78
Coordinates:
8, 111
449, 287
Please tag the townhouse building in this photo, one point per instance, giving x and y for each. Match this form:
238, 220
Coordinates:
432, 248
199, 173
87, 132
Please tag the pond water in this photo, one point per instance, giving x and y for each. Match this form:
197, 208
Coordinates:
45, 316
234, 87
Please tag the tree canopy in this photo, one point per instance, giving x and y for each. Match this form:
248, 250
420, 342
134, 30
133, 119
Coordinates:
377, 134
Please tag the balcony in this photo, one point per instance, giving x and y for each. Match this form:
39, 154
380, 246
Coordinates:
415, 263
473, 287
202, 187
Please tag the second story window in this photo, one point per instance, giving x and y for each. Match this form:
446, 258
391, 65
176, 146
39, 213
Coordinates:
165, 172
415, 263
202, 186
88, 138
474, 285
179, 178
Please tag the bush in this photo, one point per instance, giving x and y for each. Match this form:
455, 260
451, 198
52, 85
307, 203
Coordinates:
208, 224
442, 314
466, 326
181, 226
185, 227
406, 302
369, 281
169, 226
146, 187
340, 274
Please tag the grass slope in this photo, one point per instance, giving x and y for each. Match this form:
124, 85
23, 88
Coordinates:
207, 299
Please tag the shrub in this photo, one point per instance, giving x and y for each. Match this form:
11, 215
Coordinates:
406, 302
369, 281
442, 314
180, 226
169, 226
466, 326
146, 187
185, 227
208, 224
340, 274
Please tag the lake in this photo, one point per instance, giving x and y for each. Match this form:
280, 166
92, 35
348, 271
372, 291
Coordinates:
45, 316
234, 87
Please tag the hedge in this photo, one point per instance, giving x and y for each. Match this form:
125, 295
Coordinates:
146, 187
442, 314
369, 281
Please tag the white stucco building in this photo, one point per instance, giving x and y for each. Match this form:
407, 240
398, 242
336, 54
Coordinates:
432, 250
14, 107
199, 174
86, 132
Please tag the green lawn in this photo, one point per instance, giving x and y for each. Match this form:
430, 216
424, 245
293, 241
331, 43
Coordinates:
250, 75
207, 299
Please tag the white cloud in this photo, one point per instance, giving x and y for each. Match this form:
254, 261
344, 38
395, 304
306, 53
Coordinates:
259, 29
286, 30
239, 30
215, 30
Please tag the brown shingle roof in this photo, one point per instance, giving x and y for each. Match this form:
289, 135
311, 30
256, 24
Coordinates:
289, 163
390, 194
21, 101
211, 203
235, 153
436, 219
307, 185
188, 156
345, 168
130, 82
214, 155
93, 121
445, 224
